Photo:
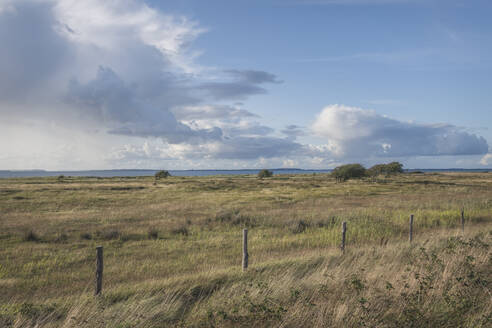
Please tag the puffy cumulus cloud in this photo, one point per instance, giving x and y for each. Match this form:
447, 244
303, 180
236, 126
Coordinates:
358, 133
486, 160
110, 25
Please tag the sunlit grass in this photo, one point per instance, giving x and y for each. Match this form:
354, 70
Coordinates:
196, 225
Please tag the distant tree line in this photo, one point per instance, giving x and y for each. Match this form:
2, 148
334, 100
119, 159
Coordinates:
353, 171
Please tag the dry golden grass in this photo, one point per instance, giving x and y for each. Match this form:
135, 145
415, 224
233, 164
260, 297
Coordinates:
173, 251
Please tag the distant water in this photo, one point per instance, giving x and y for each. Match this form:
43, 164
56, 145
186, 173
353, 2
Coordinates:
139, 173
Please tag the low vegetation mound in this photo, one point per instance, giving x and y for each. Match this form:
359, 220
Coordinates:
385, 169
265, 174
356, 171
163, 174
348, 171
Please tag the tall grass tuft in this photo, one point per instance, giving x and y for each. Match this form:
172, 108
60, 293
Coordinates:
153, 233
30, 235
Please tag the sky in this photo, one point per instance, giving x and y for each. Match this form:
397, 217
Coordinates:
221, 84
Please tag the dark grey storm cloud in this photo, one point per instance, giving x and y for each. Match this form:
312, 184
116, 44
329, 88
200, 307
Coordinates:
56, 66
244, 83
253, 76
208, 112
108, 99
31, 50
294, 131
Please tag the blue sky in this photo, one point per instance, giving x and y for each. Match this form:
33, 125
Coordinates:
232, 84
415, 60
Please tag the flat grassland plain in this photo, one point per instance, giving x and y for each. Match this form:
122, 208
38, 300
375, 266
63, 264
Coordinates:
172, 251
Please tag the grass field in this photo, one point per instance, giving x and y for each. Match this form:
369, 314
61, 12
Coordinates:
172, 251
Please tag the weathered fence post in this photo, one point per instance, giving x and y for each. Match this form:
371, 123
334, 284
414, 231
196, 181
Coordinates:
99, 269
463, 220
344, 231
411, 228
245, 249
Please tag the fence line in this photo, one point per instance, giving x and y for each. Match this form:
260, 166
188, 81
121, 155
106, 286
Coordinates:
245, 258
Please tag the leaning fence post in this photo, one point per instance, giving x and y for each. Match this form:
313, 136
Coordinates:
99, 269
245, 249
463, 220
344, 231
411, 228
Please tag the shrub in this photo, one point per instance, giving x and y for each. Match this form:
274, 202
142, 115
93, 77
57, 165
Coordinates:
86, 236
299, 227
386, 169
109, 235
131, 237
31, 236
153, 233
60, 178
61, 238
348, 171
265, 174
180, 231
163, 174
233, 217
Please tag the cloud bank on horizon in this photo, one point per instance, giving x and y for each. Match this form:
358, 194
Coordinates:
108, 84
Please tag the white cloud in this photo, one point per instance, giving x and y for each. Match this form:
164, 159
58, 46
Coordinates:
116, 84
486, 160
112, 24
357, 133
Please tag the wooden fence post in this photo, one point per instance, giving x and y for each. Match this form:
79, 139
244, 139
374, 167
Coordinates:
245, 249
344, 231
99, 269
411, 228
463, 220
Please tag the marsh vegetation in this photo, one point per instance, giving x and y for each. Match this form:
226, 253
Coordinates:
172, 251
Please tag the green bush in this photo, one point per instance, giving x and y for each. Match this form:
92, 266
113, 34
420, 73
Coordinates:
386, 169
265, 174
162, 174
348, 171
